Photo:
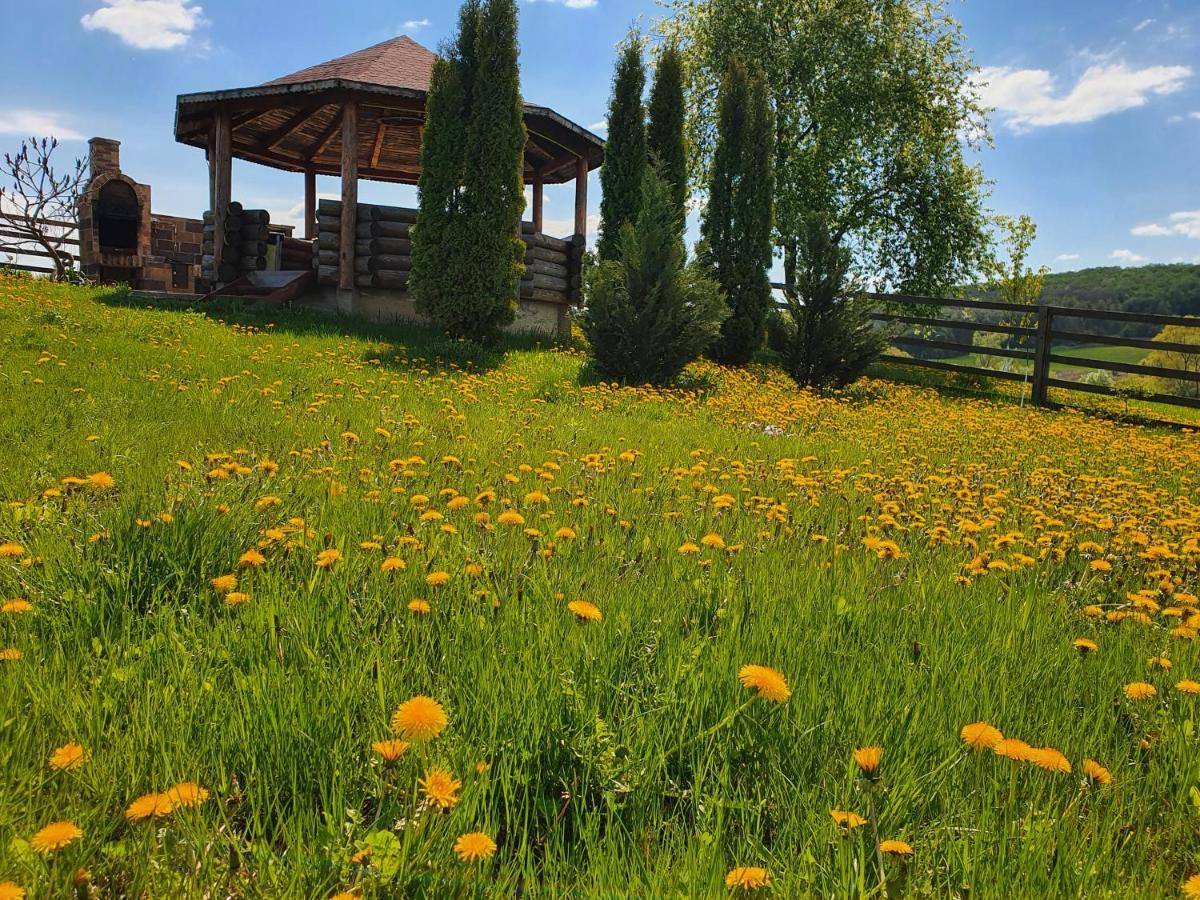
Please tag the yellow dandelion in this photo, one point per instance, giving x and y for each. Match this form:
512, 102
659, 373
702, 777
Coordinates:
392, 564
981, 736
101, 480
896, 848
1191, 888
11, 551
68, 757
847, 820
1140, 690
440, 787
10, 654
390, 750
1014, 749
223, 584
565, 534
237, 598
473, 846
510, 517
1051, 760
713, 541
585, 611
769, 683
252, 558
419, 606
55, 836
1084, 646
10, 890
327, 558
419, 719
1096, 773
16, 606
437, 579
747, 878
149, 806
1187, 686
187, 794
868, 759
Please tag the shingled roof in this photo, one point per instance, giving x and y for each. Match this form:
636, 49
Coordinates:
399, 63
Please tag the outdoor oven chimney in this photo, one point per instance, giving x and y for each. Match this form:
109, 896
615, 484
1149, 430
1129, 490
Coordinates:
104, 156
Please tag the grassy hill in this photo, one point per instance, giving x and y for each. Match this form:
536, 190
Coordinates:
235, 546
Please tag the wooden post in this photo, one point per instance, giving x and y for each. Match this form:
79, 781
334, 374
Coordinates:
310, 204
538, 197
349, 223
1041, 356
581, 186
220, 162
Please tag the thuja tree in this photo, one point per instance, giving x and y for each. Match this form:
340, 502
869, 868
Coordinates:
736, 226
665, 127
439, 251
648, 314
625, 150
467, 251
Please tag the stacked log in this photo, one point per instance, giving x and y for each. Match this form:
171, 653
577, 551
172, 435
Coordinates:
295, 255
383, 253
244, 248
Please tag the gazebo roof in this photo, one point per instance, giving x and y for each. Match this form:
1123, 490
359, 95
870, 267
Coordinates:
294, 122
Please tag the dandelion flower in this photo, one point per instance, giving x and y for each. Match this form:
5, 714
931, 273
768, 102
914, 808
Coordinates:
1096, 773
473, 846
16, 606
420, 719
223, 584
1187, 686
149, 806
847, 820
187, 794
419, 606
68, 757
868, 760
326, 558
237, 598
392, 564
251, 558
1191, 888
747, 878
769, 683
437, 579
1051, 760
981, 736
1084, 646
1140, 690
585, 611
11, 551
1014, 749
10, 654
440, 787
55, 836
510, 517
10, 890
713, 541
101, 481
390, 750
895, 848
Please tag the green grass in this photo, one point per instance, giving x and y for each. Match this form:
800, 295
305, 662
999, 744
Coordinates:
624, 757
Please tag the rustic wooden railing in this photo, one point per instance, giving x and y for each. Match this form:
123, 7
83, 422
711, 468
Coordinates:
1041, 336
18, 244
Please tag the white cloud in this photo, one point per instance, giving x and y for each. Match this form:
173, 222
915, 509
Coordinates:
36, 123
1144, 24
602, 125
415, 24
1066, 257
147, 24
1150, 231
294, 215
1027, 98
571, 4
1184, 224
1126, 256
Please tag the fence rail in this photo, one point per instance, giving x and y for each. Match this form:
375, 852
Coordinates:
13, 241
1040, 340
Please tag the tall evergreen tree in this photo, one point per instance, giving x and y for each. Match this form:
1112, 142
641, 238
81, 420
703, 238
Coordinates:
736, 227
665, 128
625, 151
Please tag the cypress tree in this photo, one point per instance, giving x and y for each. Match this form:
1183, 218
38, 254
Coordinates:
621, 175
736, 226
665, 129
494, 179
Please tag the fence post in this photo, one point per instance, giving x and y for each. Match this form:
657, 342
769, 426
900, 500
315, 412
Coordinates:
1041, 356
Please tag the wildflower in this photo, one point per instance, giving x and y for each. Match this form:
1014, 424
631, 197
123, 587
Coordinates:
585, 611
895, 848
565, 534
251, 558
1187, 686
16, 606
390, 750
687, 548
437, 579
187, 794
362, 857
55, 836
1159, 662
868, 760
1051, 760
237, 598
10, 890
223, 584
713, 541
419, 606
11, 551
101, 481
326, 558
10, 654
473, 846
392, 564
1191, 888
419, 719
1140, 690
440, 787
769, 683
747, 878
981, 736
510, 517
68, 757
1096, 773
149, 806
847, 820
1101, 565
1084, 646
1014, 749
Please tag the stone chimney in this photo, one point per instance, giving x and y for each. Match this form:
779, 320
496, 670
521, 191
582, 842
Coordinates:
104, 156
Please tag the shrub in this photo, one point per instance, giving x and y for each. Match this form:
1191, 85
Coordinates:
648, 315
1174, 359
827, 339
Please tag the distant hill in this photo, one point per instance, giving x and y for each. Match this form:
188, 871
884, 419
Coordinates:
1160, 289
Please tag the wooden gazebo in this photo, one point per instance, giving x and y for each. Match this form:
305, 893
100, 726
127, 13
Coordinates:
359, 116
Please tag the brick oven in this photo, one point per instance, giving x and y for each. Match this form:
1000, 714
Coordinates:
122, 240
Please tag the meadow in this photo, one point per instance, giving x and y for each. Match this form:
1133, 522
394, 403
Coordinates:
294, 607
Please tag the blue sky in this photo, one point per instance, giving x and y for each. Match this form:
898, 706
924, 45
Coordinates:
1097, 123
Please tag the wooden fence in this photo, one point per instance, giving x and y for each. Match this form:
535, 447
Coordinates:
17, 244
1039, 338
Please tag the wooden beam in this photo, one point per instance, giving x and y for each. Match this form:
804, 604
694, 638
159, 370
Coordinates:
327, 135
378, 148
349, 221
538, 198
287, 128
310, 205
221, 183
581, 198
